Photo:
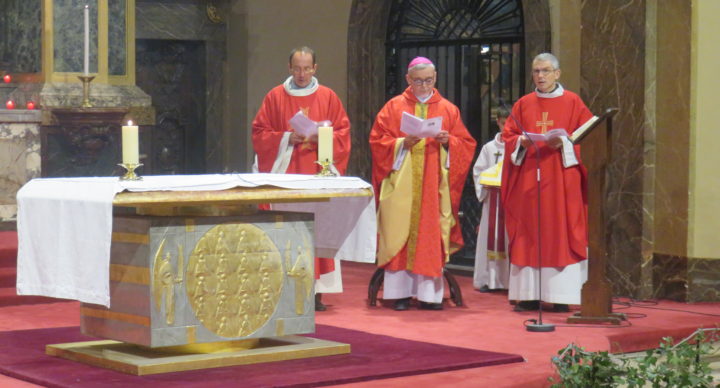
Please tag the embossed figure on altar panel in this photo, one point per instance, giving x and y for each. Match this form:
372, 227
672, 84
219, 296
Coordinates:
187, 280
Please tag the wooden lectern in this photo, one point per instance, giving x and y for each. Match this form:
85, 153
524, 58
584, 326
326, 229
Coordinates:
596, 298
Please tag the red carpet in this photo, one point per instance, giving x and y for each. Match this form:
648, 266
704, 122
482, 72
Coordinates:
486, 322
373, 357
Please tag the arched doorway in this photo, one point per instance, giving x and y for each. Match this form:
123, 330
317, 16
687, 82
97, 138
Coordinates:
368, 62
477, 48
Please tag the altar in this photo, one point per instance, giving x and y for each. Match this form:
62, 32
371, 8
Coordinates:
194, 275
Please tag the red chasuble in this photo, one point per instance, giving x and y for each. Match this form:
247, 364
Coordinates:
271, 123
563, 197
429, 257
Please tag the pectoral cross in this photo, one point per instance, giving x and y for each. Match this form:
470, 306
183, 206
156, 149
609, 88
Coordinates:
306, 111
544, 123
497, 154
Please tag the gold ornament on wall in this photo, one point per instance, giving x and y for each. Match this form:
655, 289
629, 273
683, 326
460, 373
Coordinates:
213, 13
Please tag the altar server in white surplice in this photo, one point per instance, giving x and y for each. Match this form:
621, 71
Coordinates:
492, 268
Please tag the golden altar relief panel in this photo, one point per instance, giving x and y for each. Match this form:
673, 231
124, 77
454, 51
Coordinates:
164, 280
303, 272
234, 279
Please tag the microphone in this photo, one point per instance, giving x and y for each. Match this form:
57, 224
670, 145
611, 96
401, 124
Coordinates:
517, 123
536, 325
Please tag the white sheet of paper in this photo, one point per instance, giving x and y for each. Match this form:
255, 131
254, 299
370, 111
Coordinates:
303, 125
553, 133
415, 126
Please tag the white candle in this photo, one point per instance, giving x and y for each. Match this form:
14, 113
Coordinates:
130, 144
86, 57
325, 144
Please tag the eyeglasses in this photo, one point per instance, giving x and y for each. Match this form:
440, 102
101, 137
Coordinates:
306, 70
426, 81
545, 71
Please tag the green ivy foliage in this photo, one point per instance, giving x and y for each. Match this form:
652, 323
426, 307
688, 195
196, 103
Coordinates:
680, 365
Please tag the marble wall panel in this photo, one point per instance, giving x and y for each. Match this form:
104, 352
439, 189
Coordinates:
19, 156
117, 37
686, 279
704, 280
648, 232
536, 15
673, 127
177, 20
101, 95
214, 139
68, 32
670, 277
612, 75
20, 36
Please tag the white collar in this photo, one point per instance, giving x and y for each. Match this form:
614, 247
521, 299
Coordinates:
293, 90
424, 100
498, 138
555, 93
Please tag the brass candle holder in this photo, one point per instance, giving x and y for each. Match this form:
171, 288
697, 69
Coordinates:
325, 171
86, 79
130, 172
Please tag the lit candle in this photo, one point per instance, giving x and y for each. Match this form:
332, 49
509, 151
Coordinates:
130, 144
325, 144
86, 57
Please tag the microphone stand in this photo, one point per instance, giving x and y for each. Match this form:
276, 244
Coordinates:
536, 325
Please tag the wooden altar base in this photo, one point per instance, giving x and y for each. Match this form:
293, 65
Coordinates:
139, 360
611, 318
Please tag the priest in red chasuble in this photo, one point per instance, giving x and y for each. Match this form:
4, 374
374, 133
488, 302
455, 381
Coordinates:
561, 231
418, 182
281, 150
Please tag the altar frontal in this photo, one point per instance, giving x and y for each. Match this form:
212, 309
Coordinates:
214, 288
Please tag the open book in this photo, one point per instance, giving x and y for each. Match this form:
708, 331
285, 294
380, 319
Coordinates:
551, 134
415, 126
304, 126
583, 129
579, 133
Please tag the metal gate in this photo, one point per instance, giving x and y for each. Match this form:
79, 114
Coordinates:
477, 48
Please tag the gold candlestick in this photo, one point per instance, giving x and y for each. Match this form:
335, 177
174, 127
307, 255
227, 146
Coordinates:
325, 171
130, 174
86, 79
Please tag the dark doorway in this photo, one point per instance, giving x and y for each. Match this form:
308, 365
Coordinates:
172, 72
477, 47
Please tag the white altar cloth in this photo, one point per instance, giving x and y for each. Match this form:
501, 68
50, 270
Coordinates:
65, 225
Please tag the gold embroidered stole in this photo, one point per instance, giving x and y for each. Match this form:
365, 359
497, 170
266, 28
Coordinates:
398, 218
447, 221
393, 213
417, 156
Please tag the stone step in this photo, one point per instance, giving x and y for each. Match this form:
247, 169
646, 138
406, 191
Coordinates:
8, 275
8, 259
8, 297
8, 249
